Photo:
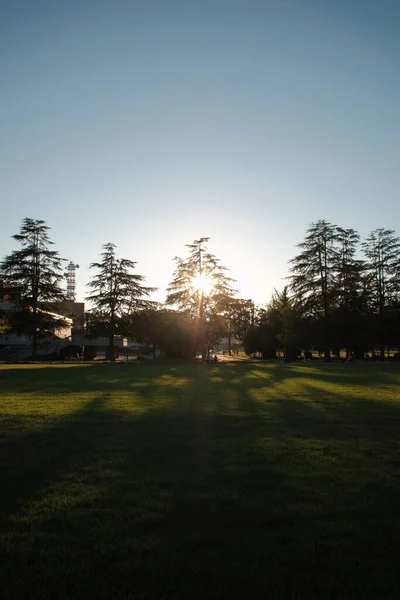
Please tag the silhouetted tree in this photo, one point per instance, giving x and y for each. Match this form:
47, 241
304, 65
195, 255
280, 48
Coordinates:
350, 296
260, 337
115, 289
276, 327
285, 321
187, 290
176, 340
34, 274
234, 319
147, 326
382, 252
313, 271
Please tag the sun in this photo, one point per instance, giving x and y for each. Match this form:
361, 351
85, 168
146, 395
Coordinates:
202, 283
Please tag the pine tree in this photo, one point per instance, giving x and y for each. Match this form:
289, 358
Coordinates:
349, 269
34, 274
382, 252
349, 299
200, 286
312, 282
116, 290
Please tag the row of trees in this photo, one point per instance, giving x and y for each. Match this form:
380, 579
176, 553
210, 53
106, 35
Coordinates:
200, 290
341, 292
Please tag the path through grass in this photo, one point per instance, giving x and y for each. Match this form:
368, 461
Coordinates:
169, 481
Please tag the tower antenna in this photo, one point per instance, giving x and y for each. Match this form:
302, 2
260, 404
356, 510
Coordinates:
71, 281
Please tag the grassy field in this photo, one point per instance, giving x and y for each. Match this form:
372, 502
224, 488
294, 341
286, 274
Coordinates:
170, 481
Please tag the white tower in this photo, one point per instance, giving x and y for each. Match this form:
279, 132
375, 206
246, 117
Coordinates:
71, 281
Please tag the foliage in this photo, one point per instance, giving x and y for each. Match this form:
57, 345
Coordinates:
348, 270
184, 293
349, 301
312, 279
235, 319
115, 290
33, 274
177, 339
276, 328
167, 330
343, 293
144, 325
382, 251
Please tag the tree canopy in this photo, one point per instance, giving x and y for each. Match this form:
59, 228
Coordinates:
343, 292
200, 286
115, 290
34, 275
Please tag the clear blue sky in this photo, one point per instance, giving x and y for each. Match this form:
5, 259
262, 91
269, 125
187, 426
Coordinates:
151, 123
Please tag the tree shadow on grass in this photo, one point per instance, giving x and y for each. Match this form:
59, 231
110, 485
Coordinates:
67, 379
360, 374
276, 401
211, 494
329, 462
89, 487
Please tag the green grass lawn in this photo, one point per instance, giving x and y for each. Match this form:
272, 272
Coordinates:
171, 481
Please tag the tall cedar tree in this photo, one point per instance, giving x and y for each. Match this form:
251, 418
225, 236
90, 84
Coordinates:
382, 252
115, 290
349, 269
350, 299
312, 281
34, 274
182, 291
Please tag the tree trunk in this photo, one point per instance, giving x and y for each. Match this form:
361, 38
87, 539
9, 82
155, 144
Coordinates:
34, 342
34, 331
229, 345
201, 339
110, 355
327, 347
201, 328
326, 325
381, 335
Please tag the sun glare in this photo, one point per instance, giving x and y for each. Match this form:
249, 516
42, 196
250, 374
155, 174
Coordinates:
202, 283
